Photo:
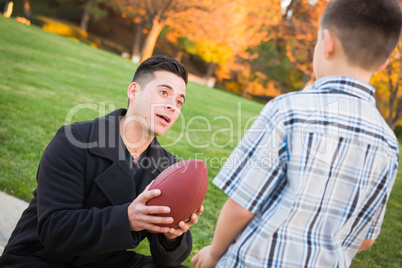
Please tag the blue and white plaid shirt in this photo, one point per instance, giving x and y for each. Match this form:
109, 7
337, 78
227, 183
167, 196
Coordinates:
316, 168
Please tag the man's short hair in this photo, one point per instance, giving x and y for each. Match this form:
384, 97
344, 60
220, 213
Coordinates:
368, 30
145, 72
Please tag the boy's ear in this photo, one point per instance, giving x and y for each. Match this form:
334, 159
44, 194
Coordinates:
382, 66
132, 89
329, 43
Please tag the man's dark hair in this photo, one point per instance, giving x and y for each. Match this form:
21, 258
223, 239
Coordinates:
145, 72
368, 30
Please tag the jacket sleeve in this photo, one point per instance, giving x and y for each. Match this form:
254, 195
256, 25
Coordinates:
63, 225
170, 256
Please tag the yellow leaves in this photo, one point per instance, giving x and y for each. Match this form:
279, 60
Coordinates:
238, 24
208, 49
257, 88
388, 84
62, 28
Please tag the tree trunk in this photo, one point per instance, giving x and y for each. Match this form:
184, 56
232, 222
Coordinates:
245, 89
307, 80
210, 70
151, 39
179, 56
136, 52
85, 17
391, 109
393, 99
246, 86
27, 9
398, 113
8, 10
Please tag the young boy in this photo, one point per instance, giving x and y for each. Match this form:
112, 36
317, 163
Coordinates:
309, 182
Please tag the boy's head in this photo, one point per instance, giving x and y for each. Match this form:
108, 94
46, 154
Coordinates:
145, 72
368, 30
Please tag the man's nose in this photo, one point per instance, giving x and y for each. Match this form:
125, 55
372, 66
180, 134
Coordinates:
170, 107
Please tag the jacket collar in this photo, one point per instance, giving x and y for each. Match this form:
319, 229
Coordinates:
107, 143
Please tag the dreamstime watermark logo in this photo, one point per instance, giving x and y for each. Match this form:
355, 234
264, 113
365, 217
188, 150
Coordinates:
202, 132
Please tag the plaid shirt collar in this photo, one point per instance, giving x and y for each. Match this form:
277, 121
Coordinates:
345, 85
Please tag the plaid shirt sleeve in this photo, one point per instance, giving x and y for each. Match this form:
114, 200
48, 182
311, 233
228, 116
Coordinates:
375, 227
257, 164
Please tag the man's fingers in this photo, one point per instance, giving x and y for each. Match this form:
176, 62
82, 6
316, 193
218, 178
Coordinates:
156, 229
150, 222
149, 185
146, 195
200, 210
156, 209
156, 219
183, 226
194, 219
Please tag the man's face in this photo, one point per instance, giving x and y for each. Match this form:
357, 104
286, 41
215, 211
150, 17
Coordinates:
158, 104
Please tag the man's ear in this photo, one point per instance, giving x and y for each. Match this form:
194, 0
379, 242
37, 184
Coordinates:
132, 89
382, 66
329, 43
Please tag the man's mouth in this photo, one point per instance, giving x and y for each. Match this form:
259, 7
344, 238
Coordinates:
166, 118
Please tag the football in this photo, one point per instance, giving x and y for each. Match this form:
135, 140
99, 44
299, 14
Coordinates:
183, 188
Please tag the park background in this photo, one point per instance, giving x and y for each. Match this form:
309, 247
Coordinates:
251, 51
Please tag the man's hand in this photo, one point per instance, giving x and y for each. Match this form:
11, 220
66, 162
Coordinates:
183, 226
204, 258
141, 216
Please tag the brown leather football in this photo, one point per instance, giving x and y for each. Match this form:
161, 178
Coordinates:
183, 188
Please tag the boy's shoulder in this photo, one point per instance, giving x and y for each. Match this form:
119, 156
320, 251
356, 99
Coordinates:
337, 84
292, 97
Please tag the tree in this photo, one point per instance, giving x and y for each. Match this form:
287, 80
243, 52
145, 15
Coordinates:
159, 13
298, 30
271, 66
210, 51
27, 9
255, 28
230, 29
237, 24
387, 84
91, 9
137, 16
85, 16
136, 50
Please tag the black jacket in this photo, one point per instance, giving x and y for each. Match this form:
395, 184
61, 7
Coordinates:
78, 215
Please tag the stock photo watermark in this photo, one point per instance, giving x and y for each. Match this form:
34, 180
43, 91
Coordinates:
200, 132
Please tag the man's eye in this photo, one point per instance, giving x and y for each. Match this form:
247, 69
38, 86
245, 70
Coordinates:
179, 103
163, 92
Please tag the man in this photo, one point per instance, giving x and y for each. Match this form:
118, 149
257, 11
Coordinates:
90, 207
309, 182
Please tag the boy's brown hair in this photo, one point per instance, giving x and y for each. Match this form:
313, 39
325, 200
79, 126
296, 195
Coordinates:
368, 30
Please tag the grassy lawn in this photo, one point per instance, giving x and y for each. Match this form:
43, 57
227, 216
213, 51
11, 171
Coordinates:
45, 77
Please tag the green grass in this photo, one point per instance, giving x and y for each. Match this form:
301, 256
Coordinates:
43, 77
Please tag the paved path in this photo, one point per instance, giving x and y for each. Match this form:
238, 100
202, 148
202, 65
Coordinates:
11, 209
